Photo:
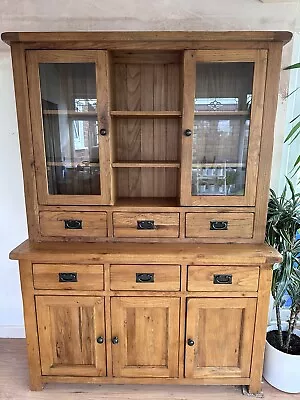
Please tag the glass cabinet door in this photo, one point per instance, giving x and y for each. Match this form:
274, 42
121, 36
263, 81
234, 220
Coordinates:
222, 117
68, 103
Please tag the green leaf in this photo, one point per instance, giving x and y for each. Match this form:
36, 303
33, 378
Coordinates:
293, 66
294, 119
292, 92
293, 133
297, 161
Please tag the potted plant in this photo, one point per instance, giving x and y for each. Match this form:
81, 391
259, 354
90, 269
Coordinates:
282, 354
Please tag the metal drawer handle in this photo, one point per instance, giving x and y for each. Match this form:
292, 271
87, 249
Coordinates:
73, 224
67, 277
144, 277
145, 224
218, 225
224, 279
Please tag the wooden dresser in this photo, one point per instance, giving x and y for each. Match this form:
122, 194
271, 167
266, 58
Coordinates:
146, 159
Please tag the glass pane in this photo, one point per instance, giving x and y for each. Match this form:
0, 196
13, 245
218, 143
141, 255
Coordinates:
221, 128
70, 123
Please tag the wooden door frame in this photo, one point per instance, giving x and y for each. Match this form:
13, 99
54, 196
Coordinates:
191, 57
100, 58
44, 322
119, 351
247, 333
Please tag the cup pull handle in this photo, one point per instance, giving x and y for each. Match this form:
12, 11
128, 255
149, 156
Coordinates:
218, 225
73, 223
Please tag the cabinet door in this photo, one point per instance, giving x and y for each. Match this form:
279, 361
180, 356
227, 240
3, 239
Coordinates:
145, 340
222, 121
68, 93
71, 335
219, 337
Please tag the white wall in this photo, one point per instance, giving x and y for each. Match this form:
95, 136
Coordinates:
44, 15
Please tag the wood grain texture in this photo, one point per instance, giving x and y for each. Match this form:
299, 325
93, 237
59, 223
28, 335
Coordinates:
265, 280
189, 86
25, 138
201, 278
166, 224
151, 321
156, 36
53, 224
240, 225
103, 85
89, 277
31, 329
68, 329
210, 322
174, 253
266, 150
166, 277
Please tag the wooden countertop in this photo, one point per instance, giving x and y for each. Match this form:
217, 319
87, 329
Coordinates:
137, 253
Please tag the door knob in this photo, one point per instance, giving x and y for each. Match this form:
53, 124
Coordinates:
100, 340
190, 342
188, 132
115, 340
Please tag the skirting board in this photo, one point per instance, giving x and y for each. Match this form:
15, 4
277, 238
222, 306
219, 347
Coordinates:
12, 331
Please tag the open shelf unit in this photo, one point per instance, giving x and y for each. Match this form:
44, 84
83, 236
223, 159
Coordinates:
146, 120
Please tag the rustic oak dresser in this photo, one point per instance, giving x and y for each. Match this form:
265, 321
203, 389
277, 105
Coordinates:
146, 159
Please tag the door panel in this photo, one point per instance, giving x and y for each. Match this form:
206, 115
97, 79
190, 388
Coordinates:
148, 336
222, 331
68, 329
222, 111
69, 108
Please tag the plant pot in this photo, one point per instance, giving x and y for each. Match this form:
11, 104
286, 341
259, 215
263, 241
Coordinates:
281, 370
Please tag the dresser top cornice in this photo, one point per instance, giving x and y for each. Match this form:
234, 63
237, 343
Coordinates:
152, 36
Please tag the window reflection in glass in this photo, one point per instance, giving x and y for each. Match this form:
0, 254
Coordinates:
70, 126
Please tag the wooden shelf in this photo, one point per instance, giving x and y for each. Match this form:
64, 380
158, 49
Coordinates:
146, 164
71, 113
146, 114
222, 113
71, 164
218, 165
147, 202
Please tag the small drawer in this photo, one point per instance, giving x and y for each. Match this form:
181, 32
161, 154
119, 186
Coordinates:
145, 277
149, 225
219, 225
69, 224
68, 276
222, 278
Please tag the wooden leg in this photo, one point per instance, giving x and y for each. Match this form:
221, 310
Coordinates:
35, 373
259, 340
245, 391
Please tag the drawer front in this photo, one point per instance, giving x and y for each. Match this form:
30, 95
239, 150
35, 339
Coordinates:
145, 277
222, 278
219, 225
68, 276
88, 224
146, 224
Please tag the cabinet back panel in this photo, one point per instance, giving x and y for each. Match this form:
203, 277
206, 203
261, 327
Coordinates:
147, 182
146, 81
146, 139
